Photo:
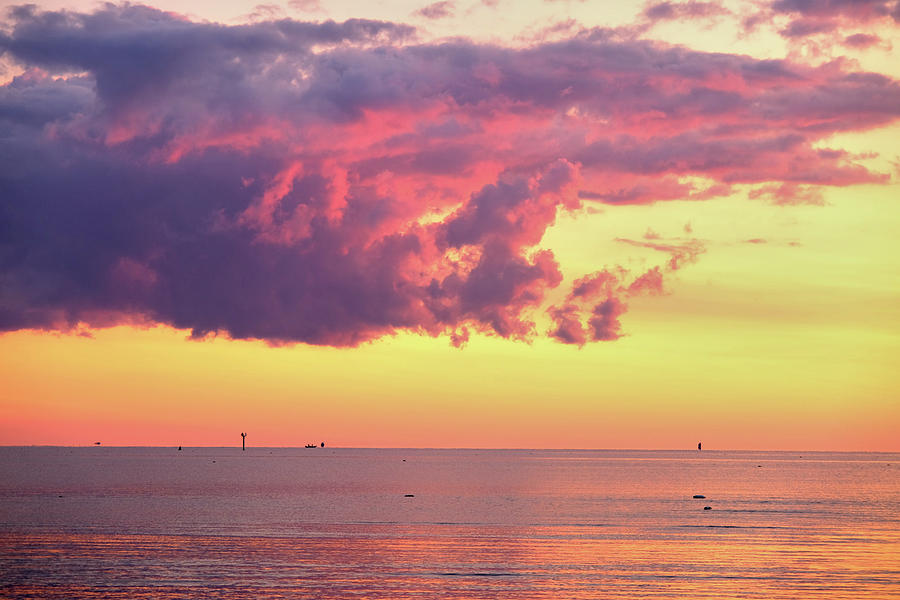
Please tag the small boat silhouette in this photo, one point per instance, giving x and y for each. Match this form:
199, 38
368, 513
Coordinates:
311, 446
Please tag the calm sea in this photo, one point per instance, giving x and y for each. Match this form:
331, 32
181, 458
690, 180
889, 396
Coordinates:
327, 523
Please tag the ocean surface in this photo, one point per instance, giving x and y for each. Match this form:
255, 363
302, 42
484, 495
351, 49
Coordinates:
103, 522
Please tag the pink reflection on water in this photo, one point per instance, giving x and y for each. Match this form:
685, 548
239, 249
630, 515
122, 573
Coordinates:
462, 562
142, 523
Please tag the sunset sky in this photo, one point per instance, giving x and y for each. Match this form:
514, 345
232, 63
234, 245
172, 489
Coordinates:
472, 223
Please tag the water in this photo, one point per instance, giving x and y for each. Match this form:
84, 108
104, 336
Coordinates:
336, 523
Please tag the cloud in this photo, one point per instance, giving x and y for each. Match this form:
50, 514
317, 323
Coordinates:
789, 194
680, 253
437, 10
800, 19
683, 11
855, 9
336, 182
306, 5
264, 12
862, 40
592, 308
649, 283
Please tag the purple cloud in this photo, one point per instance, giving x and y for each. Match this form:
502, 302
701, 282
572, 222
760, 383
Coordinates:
437, 10
680, 11
229, 179
862, 40
814, 17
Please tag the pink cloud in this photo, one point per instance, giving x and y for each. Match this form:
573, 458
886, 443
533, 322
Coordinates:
437, 10
332, 183
680, 11
789, 194
801, 19
862, 40
650, 283
680, 254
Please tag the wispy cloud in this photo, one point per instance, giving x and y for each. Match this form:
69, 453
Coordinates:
800, 19
692, 10
437, 10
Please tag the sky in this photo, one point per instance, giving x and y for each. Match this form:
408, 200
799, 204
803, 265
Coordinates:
483, 223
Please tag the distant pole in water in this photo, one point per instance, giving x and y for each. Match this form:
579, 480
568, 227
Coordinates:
699, 446
243, 441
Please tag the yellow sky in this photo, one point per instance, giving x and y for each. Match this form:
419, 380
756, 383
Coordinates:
768, 346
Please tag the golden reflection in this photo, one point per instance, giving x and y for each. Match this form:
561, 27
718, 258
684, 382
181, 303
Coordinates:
462, 562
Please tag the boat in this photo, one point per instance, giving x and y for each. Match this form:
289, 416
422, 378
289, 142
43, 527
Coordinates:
311, 446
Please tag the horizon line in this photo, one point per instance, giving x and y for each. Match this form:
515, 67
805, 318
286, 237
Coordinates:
472, 448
